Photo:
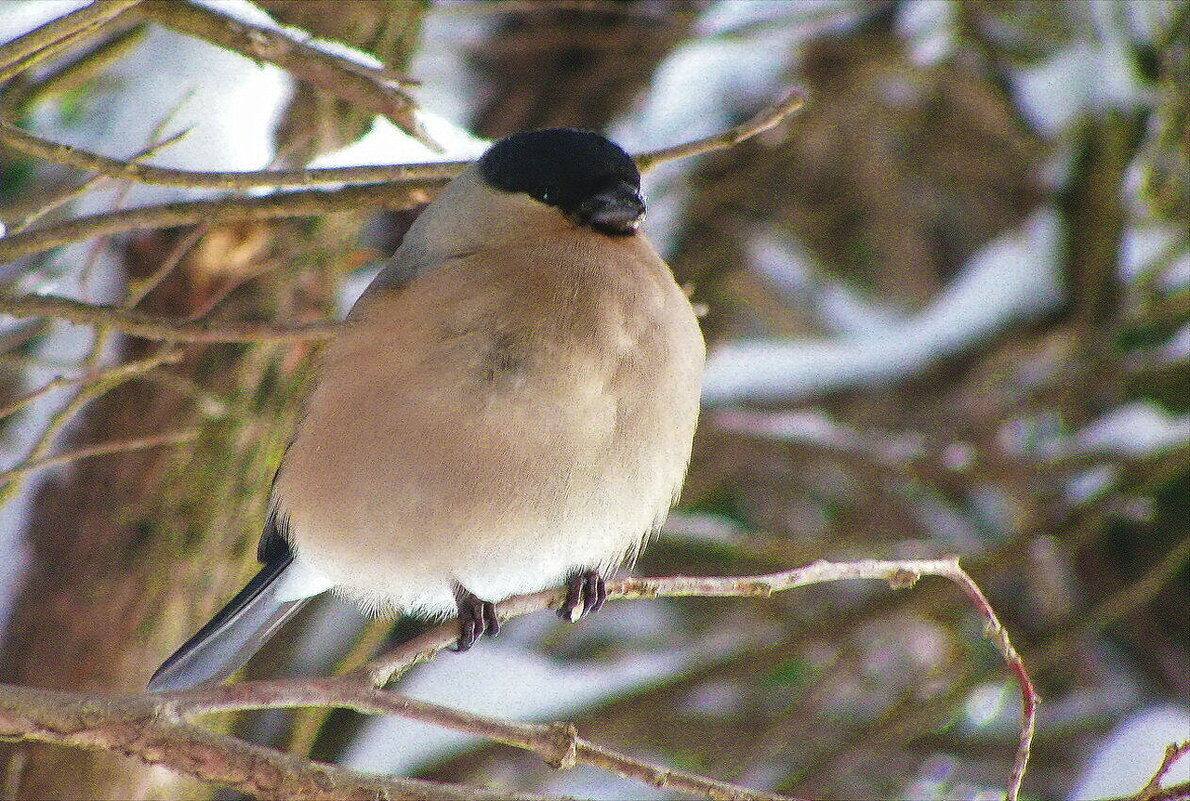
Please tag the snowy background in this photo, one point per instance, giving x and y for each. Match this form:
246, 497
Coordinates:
946, 314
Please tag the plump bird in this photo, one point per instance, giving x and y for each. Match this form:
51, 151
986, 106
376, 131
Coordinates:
509, 407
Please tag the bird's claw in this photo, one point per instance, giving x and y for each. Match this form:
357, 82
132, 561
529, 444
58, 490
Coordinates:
477, 618
585, 593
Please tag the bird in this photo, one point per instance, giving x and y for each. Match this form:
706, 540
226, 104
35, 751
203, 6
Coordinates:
509, 406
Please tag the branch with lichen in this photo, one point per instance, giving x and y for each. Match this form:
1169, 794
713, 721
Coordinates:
136, 727
157, 728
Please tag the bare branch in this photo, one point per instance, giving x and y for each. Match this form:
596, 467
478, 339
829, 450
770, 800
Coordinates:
371, 89
16, 55
99, 382
558, 744
898, 573
68, 194
1154, 789
299, 203
432, 171
68, 73
149, 326
32, 145
101, 449
402, 187
1174, 792
153, 727
761, 122
20, 403
134, 726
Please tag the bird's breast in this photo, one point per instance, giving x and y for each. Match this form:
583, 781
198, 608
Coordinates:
540, 405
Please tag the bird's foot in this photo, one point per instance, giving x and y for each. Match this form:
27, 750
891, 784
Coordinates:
585, 593
476, 618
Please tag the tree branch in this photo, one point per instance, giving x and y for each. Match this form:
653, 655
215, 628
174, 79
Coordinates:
402, 187
26, 467
437, 172
559, 744
1154, 789
762, 121
29, 144
366, 87
93, 386
898, 573
154, 728
299, 203
134, 726
61, 197
148, 326
15, 55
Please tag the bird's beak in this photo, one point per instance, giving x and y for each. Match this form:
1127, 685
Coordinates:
616, 210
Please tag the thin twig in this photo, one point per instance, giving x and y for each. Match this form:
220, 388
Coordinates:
75, 191
98, 383
20, 403
996, 632
1154, 788
368, 88
15, 55
1173, 792
759, 123
149, 326
67, 74
58, 153
139, 289
298, 203
413, 185
101, 449
136, 368
899, 573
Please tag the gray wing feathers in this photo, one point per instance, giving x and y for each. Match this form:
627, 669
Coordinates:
225, 644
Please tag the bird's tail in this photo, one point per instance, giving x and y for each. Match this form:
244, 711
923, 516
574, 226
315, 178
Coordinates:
225, 644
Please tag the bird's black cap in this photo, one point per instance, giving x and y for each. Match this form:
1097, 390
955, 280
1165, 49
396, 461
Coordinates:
589, 178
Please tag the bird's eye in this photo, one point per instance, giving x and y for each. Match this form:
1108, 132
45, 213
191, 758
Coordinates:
541, 193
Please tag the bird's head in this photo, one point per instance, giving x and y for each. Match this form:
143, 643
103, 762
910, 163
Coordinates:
586, 177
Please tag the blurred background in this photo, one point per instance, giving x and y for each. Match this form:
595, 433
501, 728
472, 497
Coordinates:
947, 306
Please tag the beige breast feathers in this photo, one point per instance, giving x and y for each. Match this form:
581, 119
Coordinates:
497, 423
